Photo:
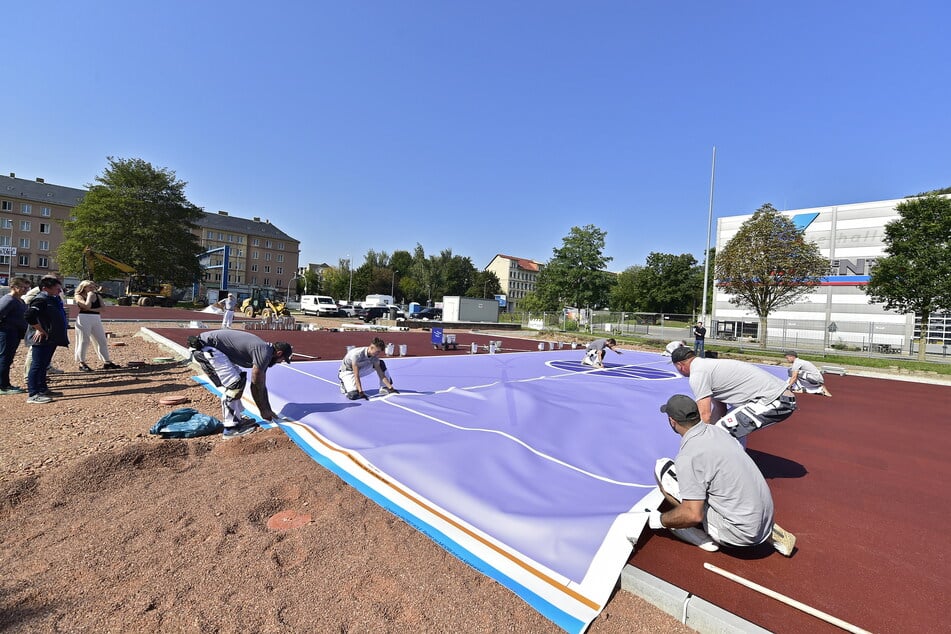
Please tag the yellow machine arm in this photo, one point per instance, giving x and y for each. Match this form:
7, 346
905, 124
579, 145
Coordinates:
90, 260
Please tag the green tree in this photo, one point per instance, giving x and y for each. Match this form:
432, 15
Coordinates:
575, 275
768, 264
626, 294
669, 283
915, 274
485, 284
138, 215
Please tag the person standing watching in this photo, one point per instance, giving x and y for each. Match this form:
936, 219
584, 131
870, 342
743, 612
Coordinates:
699, 334
12, 330
45, 314
713, 482
227, 304
89, 326
755, 397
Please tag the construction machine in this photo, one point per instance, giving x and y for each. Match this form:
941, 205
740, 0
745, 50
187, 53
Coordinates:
143, 290
264, 303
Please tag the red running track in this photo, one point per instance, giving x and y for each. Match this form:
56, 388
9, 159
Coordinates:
857, 478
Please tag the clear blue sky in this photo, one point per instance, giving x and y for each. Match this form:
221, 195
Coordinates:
485, 127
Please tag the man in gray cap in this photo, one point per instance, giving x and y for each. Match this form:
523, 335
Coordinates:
221, 354
718, 486
755, 398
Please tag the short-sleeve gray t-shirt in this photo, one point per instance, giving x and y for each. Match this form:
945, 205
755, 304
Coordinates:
733, 382
598, 344
713, 466
357, 361
242, 348
806, 369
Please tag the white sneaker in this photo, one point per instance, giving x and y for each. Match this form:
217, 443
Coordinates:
586, 361
696, 536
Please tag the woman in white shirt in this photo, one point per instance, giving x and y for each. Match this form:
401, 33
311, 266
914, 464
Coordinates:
89, 326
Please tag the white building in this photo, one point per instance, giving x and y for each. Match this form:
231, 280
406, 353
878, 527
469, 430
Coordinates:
838, 313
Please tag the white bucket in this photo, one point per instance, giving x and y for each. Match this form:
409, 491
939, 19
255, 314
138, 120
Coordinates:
402, 349
541, 346
551, 345
574, 344
195, 324
474, 348
491, 347
389, 349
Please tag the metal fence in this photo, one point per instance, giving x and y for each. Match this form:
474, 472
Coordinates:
803, 335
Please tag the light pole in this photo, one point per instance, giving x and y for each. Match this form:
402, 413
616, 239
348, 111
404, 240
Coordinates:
393, 285
350, 288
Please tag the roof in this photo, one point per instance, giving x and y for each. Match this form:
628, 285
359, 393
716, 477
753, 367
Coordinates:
255, 226
40, 192
522, 263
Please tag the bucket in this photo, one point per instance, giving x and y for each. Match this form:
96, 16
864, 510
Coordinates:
389, 349
491, 347
402, 349
474, 348
195, 324
541, 346
574, 345
551, 345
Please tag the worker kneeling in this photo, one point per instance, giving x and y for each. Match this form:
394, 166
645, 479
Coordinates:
360, 362
714, 483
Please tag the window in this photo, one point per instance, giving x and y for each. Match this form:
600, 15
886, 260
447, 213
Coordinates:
280, 257
6, 205
280, 270
26, 208
256, 242
280, 245
46, 212
211, 235
24, 243
4, 241
43, 262
254, 279
240, 239
230, 238
6, 223
26, 225
267, 269
254, 255
267, 244
44, 227
267, 256
254, 268
267, 281
238, 253
23, 260
44, 245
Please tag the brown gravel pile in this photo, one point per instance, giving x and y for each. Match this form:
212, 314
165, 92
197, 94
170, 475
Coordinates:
106, 528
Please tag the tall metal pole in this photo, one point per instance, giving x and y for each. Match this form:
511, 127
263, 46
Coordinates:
706, 249
350, 289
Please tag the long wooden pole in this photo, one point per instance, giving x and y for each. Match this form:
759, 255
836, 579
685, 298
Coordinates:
819, 614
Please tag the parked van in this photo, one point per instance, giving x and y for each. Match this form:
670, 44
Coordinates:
320, 305
378, 300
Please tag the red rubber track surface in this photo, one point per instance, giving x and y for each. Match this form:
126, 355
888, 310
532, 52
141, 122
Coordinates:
857, 478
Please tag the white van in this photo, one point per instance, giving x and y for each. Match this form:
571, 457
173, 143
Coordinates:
320, 305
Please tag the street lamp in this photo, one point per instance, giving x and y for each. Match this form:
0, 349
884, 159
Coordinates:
350, 288
393, 285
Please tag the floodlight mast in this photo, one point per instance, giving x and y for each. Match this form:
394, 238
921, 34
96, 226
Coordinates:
706, 250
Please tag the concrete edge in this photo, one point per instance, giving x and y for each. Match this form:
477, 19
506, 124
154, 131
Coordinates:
692, 611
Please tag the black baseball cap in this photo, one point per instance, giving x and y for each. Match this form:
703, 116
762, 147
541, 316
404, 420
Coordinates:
681, 408
681, 354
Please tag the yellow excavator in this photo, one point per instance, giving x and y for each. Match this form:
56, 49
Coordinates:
263, 303
143, 290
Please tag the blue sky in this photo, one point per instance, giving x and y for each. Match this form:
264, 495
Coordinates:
485, 127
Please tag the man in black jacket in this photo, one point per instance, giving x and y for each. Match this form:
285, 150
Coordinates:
49, 323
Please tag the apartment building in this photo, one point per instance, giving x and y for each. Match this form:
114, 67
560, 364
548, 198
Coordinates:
31, 212
517, 277
260, 255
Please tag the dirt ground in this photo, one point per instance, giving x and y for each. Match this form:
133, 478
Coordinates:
105, 528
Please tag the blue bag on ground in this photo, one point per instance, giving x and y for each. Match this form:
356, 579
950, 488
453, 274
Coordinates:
186, 423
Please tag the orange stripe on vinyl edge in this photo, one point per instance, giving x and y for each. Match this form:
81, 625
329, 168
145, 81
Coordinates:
547, 579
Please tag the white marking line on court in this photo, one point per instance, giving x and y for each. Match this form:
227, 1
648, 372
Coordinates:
538, 453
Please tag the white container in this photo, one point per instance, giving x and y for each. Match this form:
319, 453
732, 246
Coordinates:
389, 349
196, 324
491, 347
402, 349
474, 348
541, 346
